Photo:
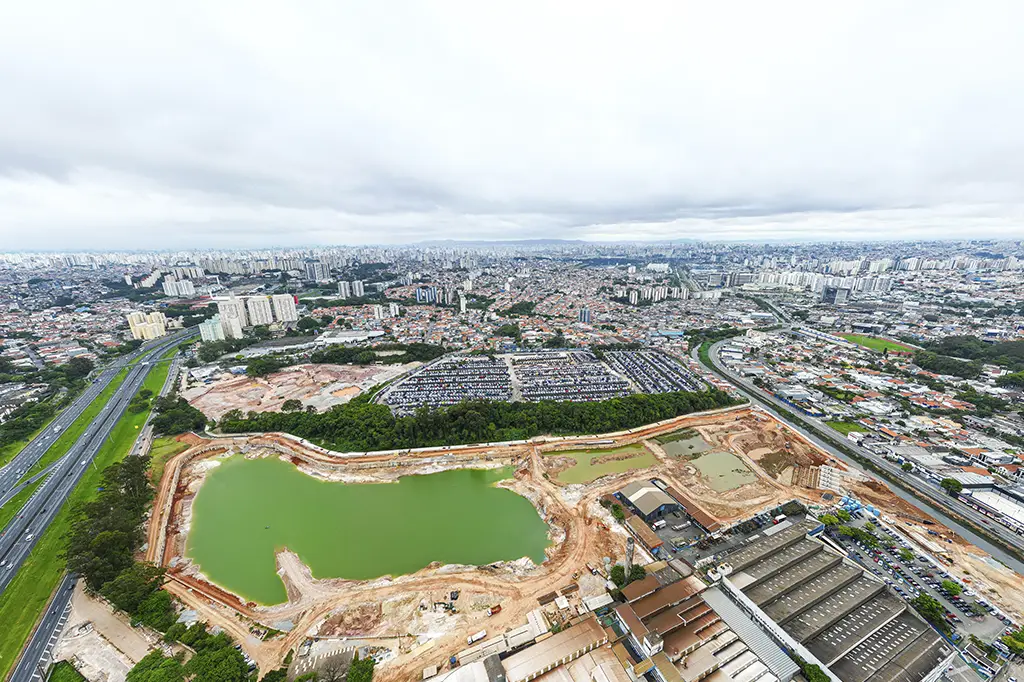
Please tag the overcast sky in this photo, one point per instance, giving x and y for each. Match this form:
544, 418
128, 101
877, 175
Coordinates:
214, 123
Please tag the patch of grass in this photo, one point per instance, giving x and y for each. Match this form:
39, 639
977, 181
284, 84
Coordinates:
26, 596
9, 451
71, 434
9, 510
163, 449
876, 344
847, 427
682, 434
65, 672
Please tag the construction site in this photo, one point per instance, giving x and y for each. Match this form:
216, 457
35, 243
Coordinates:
424, 619
215, 392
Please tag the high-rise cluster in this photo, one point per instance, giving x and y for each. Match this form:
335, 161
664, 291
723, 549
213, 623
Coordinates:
238, 313
147, 325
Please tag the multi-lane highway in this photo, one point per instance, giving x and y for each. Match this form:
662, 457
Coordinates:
21, 534
34, 659
34, 450
936, 499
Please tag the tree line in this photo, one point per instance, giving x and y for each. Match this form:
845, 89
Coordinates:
361, 426
104, 535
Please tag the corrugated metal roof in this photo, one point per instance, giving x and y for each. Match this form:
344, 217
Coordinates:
756, 639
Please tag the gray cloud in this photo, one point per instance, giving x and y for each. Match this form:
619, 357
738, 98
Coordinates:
244, 124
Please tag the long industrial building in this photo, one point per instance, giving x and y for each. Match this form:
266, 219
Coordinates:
829, 610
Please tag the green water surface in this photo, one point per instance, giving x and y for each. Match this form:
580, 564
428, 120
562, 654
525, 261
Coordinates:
585, 471
248, 508
724, 470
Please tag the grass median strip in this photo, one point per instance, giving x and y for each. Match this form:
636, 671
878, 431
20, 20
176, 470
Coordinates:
26, 596
71, 434
162, 450
14, 505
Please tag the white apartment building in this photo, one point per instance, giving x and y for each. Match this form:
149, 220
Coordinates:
284, 308
211, 329
259, 310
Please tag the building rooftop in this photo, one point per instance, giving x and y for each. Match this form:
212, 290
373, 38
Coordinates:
847, 619
543, 655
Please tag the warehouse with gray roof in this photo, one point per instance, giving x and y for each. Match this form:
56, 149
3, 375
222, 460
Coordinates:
818, 602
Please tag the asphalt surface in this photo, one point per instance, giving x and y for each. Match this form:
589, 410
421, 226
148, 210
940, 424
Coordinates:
20, 535
936, 499
36, 657
34, 450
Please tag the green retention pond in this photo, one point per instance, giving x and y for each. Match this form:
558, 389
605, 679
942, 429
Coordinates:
724, 471
686, 443
246, 509
585, 470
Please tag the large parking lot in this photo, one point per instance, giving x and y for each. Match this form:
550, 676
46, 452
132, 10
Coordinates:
910, 576
577, 375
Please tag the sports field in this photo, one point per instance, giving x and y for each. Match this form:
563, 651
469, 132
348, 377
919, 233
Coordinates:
876, 344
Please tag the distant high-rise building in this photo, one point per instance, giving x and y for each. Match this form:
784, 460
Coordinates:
232, 308
231, 327
147, 326
316, 271
393, 309
634, 296
378, 312
128, 280
344, 290
357, 288
585, 315
284, 308
259, 310
462, 305
835, 295
426, 294
211, 329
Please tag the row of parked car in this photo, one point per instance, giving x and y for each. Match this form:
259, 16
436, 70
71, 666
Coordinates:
908, 577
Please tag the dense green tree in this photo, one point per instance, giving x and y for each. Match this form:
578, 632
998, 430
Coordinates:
261, 367
931, 611
218, 664
952, 587
941, 364
155, 667
78, 368
105, 531
133, 585
209, 351
291, 405
157, 611
952, 486
361, 670
361, 426
175, 416
307, 324
618, 575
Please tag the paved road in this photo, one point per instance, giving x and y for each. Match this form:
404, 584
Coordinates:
20, 535
36, 656
936, 499
34, 450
